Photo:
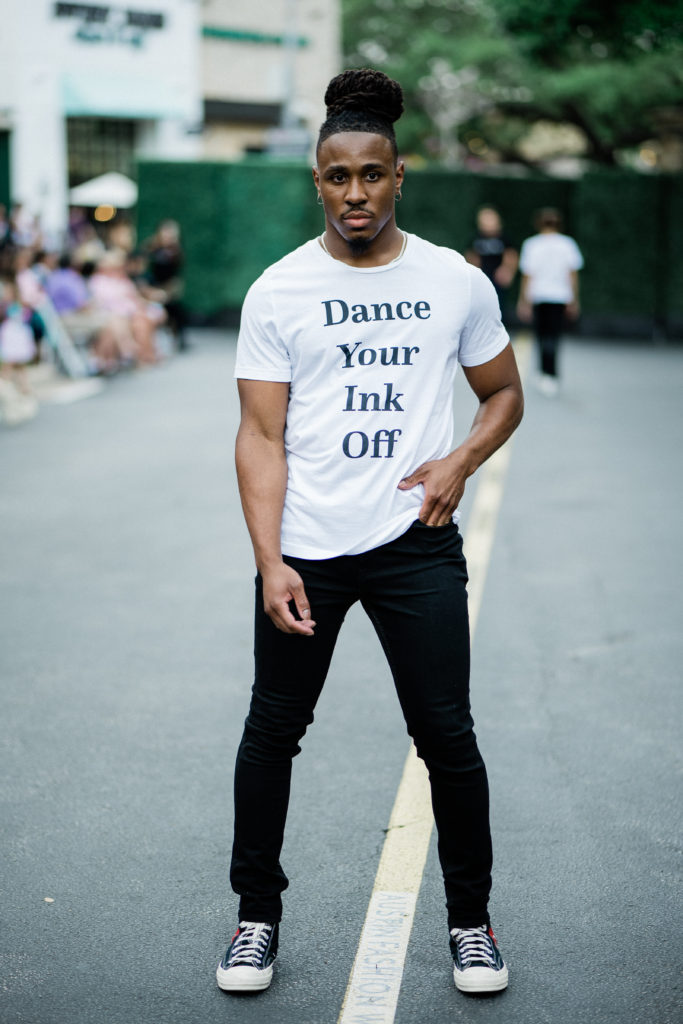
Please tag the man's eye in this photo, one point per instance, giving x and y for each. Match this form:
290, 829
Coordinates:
373, 176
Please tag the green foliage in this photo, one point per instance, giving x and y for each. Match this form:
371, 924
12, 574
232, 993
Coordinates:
613, 69
559, 32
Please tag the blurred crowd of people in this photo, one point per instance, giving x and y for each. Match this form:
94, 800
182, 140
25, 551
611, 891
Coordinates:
107, 294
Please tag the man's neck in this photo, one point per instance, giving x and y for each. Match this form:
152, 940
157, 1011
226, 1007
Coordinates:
382, 249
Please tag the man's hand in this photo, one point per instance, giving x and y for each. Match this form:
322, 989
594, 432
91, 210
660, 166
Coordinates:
281, 586
444, 484
497, 386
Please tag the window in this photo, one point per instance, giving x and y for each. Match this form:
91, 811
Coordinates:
98, 145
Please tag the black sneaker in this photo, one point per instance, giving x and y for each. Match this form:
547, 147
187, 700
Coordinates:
248, 962
477, 963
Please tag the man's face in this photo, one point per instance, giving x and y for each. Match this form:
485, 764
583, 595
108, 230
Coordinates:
358, 179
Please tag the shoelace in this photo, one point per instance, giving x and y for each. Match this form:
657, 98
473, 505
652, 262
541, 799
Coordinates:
250, 944
475, 946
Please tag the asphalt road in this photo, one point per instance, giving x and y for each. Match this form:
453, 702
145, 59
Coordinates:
126, 650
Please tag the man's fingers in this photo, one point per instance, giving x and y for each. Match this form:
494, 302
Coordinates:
433, 517
286, 622
283, 613
436, 511
301, 601
285, 601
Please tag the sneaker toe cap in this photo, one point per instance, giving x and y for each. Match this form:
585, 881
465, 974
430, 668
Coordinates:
481, 979
243, 979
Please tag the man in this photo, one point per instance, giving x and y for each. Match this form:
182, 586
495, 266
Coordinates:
347, 352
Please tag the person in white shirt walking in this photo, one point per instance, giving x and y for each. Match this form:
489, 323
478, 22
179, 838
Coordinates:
549, 292
347, 352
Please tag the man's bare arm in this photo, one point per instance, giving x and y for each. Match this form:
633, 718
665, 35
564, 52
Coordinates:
262, 478
574, 307
524, 309
505, 273
501, 403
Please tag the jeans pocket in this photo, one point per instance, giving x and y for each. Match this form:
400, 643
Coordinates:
424, 526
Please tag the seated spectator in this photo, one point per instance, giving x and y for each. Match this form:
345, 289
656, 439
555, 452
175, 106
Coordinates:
24, 227
121, 236
31, 293
43, 264
78, 227
6, 244
30, 289
90, 247
17, 344
108, 334
114, 291
164, 265
4, 227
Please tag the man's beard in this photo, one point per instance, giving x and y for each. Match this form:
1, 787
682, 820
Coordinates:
358, 246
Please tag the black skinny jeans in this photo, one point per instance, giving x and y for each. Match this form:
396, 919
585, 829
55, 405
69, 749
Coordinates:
414, 591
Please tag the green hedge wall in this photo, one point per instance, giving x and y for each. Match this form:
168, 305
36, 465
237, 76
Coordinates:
671, 219
616, 220
237, 218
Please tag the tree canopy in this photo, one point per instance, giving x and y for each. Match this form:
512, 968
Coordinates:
478, 74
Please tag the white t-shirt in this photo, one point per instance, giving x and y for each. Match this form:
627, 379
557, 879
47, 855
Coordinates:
548, 259
371, 355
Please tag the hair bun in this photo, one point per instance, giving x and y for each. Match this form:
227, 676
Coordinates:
367, 90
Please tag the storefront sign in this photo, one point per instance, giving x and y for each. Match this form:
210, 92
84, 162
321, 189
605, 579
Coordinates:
109, 24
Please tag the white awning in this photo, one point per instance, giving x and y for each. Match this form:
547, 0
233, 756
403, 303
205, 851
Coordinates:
111, 189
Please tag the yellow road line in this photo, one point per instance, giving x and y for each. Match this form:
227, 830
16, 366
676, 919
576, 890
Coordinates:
372, 992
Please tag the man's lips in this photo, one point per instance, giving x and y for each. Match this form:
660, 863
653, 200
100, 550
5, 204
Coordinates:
357, 218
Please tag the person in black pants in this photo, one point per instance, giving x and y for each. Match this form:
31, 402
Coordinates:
549, 292
165, 260
346, 358
494, 254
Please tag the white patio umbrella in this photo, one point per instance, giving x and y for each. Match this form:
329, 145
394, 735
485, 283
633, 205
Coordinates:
111, 189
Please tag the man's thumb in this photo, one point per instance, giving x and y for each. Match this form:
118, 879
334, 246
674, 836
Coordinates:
408, 482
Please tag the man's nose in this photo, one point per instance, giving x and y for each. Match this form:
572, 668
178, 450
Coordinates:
355, 193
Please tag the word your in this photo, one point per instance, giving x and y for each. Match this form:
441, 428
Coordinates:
361, 314
387, 356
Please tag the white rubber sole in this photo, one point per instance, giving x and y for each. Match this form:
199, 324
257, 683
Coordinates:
480, 979
243, 979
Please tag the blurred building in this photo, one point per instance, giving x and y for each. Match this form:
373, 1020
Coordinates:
265, 67
87, 87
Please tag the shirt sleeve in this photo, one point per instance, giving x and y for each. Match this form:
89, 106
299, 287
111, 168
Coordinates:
524, 261
483, 337
575, 257
261, 352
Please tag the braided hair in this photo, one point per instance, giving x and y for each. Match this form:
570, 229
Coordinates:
362, 101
